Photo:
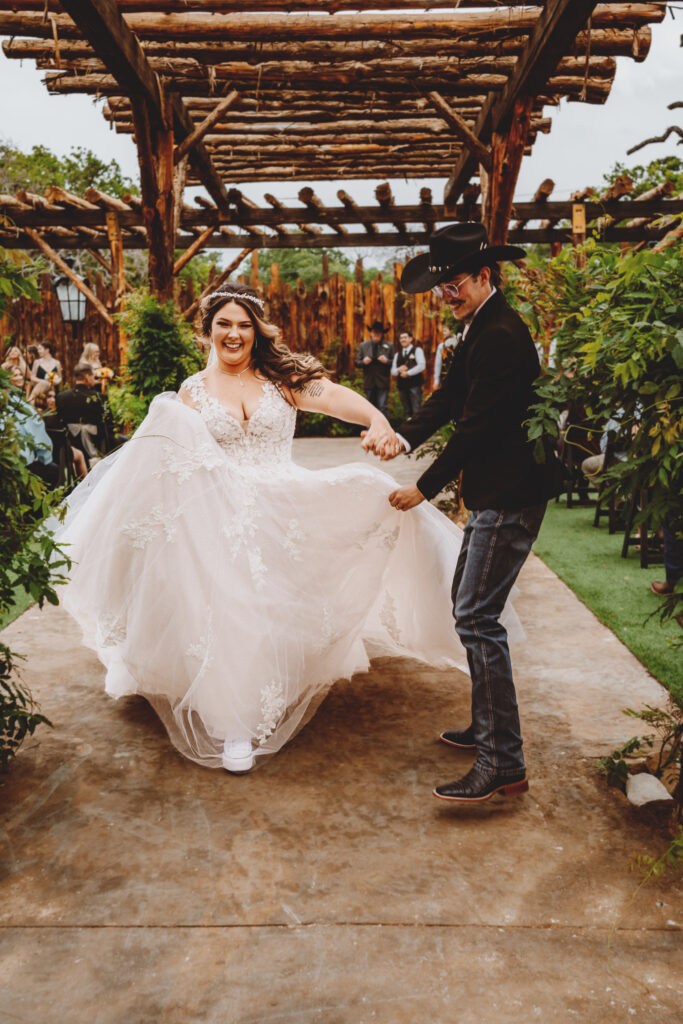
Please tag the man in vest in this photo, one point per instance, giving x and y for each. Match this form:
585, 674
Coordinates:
409, 367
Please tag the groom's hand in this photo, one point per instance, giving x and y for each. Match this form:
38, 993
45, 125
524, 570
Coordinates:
406, 498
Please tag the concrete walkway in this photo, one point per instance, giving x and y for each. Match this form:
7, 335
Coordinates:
330, 885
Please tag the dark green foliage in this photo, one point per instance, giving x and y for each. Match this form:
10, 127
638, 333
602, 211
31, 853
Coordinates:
616, 325
30, 562
17, 278
19, 716
162, 353
81, 170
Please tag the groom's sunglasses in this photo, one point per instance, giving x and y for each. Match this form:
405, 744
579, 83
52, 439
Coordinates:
449, 290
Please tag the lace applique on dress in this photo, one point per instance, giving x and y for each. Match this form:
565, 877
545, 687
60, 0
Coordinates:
267, 439
388, 538
111, 631
182, 463
387, 617
157, 523
294, 539
203, 648
272, 709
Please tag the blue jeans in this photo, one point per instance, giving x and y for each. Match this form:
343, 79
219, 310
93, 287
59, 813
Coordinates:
379, 397
494, 548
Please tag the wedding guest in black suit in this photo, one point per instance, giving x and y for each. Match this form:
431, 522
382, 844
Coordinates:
486, 394
83, 406
375, 357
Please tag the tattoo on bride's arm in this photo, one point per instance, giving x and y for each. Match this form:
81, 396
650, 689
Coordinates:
313, 389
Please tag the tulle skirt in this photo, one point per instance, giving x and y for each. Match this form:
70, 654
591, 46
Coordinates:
232, 594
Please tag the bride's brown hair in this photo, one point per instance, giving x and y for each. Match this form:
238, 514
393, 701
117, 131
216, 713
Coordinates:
271, 357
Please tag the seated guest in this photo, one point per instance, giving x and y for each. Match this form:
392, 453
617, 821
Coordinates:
34, 442
47, 407
86, 414
409, 366
15, 364
46, 371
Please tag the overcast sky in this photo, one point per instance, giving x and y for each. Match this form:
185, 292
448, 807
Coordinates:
584, 143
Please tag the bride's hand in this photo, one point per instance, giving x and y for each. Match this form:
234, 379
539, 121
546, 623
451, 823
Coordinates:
378, 435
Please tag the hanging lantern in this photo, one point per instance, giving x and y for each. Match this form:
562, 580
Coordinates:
72, 302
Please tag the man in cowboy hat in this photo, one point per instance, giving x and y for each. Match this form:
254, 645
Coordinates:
375, 357
486, 394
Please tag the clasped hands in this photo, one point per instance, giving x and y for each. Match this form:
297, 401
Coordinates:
380, 439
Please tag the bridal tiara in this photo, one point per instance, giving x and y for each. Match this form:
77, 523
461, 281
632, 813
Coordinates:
239, 296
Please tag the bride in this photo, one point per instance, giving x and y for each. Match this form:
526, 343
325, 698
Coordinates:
231, 587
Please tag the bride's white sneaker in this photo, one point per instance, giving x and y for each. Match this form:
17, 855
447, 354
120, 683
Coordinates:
238, 756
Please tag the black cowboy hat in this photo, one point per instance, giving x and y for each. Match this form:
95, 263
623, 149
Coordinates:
377, 325
452, 250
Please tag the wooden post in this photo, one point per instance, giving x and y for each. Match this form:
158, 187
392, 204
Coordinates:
254, 281
155, 155
118, 280
349, 327
508, 151
579, 232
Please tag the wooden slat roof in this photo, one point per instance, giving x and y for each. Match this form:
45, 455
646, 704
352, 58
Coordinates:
334, 89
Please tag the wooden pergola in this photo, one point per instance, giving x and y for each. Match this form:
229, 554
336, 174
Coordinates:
225, 92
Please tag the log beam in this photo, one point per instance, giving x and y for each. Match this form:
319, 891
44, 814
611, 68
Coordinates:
197, 134
300, 28
70, 240
355, 211
608, 42
461, 129
68, 272
192, 250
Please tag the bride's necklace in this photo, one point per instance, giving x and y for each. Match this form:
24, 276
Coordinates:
238, 375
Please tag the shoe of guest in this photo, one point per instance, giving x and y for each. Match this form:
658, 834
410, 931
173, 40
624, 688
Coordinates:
238, 757
661, 588
479, 785
463, 739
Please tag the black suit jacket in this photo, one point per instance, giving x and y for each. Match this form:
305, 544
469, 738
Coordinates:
487, 393
81, 404
375, 374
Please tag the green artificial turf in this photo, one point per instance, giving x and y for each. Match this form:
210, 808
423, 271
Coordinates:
615, 589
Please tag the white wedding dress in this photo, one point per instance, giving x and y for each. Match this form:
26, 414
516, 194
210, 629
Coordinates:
231, 587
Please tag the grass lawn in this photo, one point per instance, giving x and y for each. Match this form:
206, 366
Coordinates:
615, 589
22, 602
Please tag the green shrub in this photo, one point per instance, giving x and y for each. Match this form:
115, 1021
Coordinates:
161, 354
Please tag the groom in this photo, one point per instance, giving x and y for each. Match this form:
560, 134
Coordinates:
486, 395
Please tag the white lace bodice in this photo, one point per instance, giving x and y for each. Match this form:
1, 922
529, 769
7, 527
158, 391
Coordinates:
267, 439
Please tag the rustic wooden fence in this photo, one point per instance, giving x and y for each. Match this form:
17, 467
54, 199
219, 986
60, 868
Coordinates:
329, 319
